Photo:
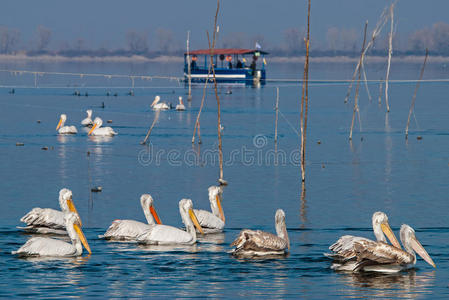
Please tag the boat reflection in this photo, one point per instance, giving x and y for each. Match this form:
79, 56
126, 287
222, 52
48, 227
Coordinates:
404, 285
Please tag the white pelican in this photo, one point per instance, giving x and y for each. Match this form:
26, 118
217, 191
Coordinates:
261, 243
87, 122
39, 246
343, 251
212, 222
380, 257
180, 106
159, 106
97, 130
65, 129
129, 230
169, 235
48, 220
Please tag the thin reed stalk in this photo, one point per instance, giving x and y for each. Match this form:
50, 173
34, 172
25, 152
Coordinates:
277, 113
412, 106
197, 122
156, 117
305, 100
390, 51
356, 108
189, 97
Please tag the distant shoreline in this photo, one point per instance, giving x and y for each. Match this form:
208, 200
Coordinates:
180, 59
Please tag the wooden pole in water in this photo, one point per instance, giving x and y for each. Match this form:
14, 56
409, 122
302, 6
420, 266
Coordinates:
412, 106
189, 97
277, 112
390, 51
211, 49
197, 123
356, 108
366, 82
305, 100
156, 117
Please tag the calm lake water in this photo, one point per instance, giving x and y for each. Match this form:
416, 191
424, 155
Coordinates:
346, 182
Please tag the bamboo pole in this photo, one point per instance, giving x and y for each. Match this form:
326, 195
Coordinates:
189, 97
197, 122
390, 51
412, 106
356, 108
277, 113
156, 117
366, 82
305, 100
211, 48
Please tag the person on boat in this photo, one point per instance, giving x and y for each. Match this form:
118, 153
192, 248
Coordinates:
239, 64
193, 64
253, 64
229, 60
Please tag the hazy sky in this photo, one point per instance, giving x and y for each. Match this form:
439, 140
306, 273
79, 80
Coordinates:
105, 22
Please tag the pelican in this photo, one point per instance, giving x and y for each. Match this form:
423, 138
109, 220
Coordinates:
343, 251
65, 129
39, 246
159, 106
180, 106
381, 257
97, 130
129, 230
48, 220
212, 222
87, 122
261, 243
169, 235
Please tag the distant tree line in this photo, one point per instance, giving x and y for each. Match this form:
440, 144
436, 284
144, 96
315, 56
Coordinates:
336, 42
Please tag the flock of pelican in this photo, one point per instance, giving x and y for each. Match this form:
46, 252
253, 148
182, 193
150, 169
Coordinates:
349, 253
96, 129
157, 105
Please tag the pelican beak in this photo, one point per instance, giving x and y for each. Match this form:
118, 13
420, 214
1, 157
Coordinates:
93, 128
155, 216
82, 237
72, 208
195, 221
390, 235
416, 245
222, 217
59, 124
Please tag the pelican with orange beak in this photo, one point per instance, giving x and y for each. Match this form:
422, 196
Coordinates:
212, 222
39, 246
129, 230
48, 220
380, 257
97, 130
169, 235
65, 129
343, 250
159, 106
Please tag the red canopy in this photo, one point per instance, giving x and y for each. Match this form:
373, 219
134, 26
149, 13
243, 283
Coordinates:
225, 52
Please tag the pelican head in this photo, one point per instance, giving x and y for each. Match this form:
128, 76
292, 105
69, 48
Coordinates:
62, 120
147, 205
188, 216
215, 197
180, 100
381, 228
97, 124
412, 245
281, 228
156, 100
73, 221
89, 113
66, 202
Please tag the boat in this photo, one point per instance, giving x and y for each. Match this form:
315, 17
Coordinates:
230, 65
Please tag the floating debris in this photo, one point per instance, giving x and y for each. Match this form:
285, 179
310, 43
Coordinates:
115, 94
109, 121
13, 91
319, 142
419, 137
76, 93
20, 144
38, 121
96, 189
44, 148
86, 94
323, 166
108, 93
102, 105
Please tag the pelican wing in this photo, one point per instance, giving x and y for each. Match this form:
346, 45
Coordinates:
165, 235
39, 246
125, 230
343, 248
104, 131
87, 122
370, 252
208, 220
259, 241
44, 217
68, 130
